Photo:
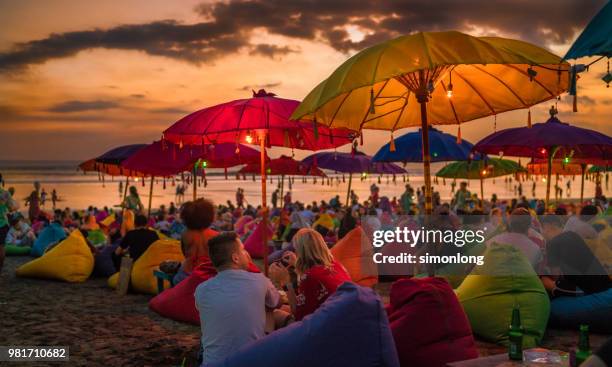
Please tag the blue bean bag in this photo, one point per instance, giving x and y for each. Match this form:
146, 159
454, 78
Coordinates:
50, 234
104, 266
593, 309
349, 329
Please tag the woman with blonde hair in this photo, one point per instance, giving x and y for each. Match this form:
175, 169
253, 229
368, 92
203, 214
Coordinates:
318, 273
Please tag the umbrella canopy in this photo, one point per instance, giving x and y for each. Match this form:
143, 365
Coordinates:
480, 169
119, 154
357, 162
167, 159
283, 166
409, 148
91, 165
549, 140
242, 120
388, 86
596, 169
595, 38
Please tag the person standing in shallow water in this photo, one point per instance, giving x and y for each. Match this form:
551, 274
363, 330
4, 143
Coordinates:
33, 202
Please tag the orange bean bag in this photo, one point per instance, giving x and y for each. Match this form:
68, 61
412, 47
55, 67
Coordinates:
428, 323
357, 260
71, 261
142, 278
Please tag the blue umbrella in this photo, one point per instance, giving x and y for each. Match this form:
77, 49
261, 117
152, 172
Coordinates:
409, 148
350, 163
596, 38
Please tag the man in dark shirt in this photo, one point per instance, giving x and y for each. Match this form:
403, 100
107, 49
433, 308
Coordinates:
138, 240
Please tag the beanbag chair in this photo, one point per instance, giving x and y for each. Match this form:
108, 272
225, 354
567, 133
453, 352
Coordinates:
593, 310
349, 329
357, 260
50, 234
12, 250
71, 261
254, 244
240, 223
602, 247
428, 323
142, 278
103, 265
490, 292
96, 237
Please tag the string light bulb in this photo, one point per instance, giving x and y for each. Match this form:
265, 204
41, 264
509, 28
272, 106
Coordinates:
449, 87
249, 138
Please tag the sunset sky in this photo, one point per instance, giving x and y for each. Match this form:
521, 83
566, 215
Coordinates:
80, 77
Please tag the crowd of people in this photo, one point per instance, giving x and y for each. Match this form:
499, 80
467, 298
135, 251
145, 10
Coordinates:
235, 303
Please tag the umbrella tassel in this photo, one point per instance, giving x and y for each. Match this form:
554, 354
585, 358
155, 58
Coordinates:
529, 118
315, 128
459, 134
392, 144
164, 186
286, 143
225, 171
361, 138
372, 100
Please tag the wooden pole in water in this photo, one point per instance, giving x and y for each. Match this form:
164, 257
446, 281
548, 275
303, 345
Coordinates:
582, 168
264, 211
150, 195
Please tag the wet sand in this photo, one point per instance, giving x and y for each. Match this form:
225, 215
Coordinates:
105, 329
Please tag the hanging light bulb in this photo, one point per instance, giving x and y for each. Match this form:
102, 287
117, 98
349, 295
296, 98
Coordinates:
249, 138
449, 87
543, 150
484, 172
204, 164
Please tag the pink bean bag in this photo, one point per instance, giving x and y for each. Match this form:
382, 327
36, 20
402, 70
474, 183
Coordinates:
254, 244
178, 303
240, 223
428, 323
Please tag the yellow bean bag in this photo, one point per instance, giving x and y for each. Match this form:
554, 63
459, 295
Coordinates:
357, 260
71, 261
142, 279
601, 246
490, 292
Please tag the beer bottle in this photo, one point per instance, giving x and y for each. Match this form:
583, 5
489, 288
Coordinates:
584, 349
515, 336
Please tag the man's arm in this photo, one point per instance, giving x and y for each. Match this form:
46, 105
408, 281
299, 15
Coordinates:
273, 299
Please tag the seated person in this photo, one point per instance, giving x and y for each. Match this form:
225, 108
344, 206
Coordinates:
136, 241
518, 228
233, 304
20, 233
581, 224
318, 274
162, 224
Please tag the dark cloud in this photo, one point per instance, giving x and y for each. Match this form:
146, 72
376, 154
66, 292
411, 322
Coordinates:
80, 106
271, 51
170, 110
137, 96
229, 25
260, 86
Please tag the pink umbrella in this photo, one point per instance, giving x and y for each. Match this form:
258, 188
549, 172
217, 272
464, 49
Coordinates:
163, 159
263, 119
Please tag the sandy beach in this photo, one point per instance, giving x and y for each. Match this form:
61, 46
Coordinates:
104, 329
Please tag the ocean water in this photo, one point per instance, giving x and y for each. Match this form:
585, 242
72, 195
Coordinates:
78, 190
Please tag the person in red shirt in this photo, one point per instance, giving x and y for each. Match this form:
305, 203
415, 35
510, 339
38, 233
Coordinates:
318, 273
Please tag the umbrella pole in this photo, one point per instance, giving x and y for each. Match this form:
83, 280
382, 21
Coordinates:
282, 187
264, 232
481, 194
422, 96
582, 168
348, 191
551, 155
150, 196
195, 184
125, 189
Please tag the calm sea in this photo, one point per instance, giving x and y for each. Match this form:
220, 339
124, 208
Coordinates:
78, 190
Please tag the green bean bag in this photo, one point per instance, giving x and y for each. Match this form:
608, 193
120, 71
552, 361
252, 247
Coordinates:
12, 250
96, 237
489, 293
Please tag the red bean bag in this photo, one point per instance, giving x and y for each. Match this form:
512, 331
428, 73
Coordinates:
178, 303
254, 244
428, 323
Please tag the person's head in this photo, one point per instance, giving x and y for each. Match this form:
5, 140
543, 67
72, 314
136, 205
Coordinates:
226, 251
520, 221
198, 214
588, 212
140, 221
133, 191
552, 225
311, 250
15, 221
463, 185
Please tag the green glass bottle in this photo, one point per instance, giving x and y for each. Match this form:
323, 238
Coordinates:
584, 348
515, 336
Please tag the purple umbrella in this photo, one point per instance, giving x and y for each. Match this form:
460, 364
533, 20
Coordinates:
119, 154
548, 140
350, 163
